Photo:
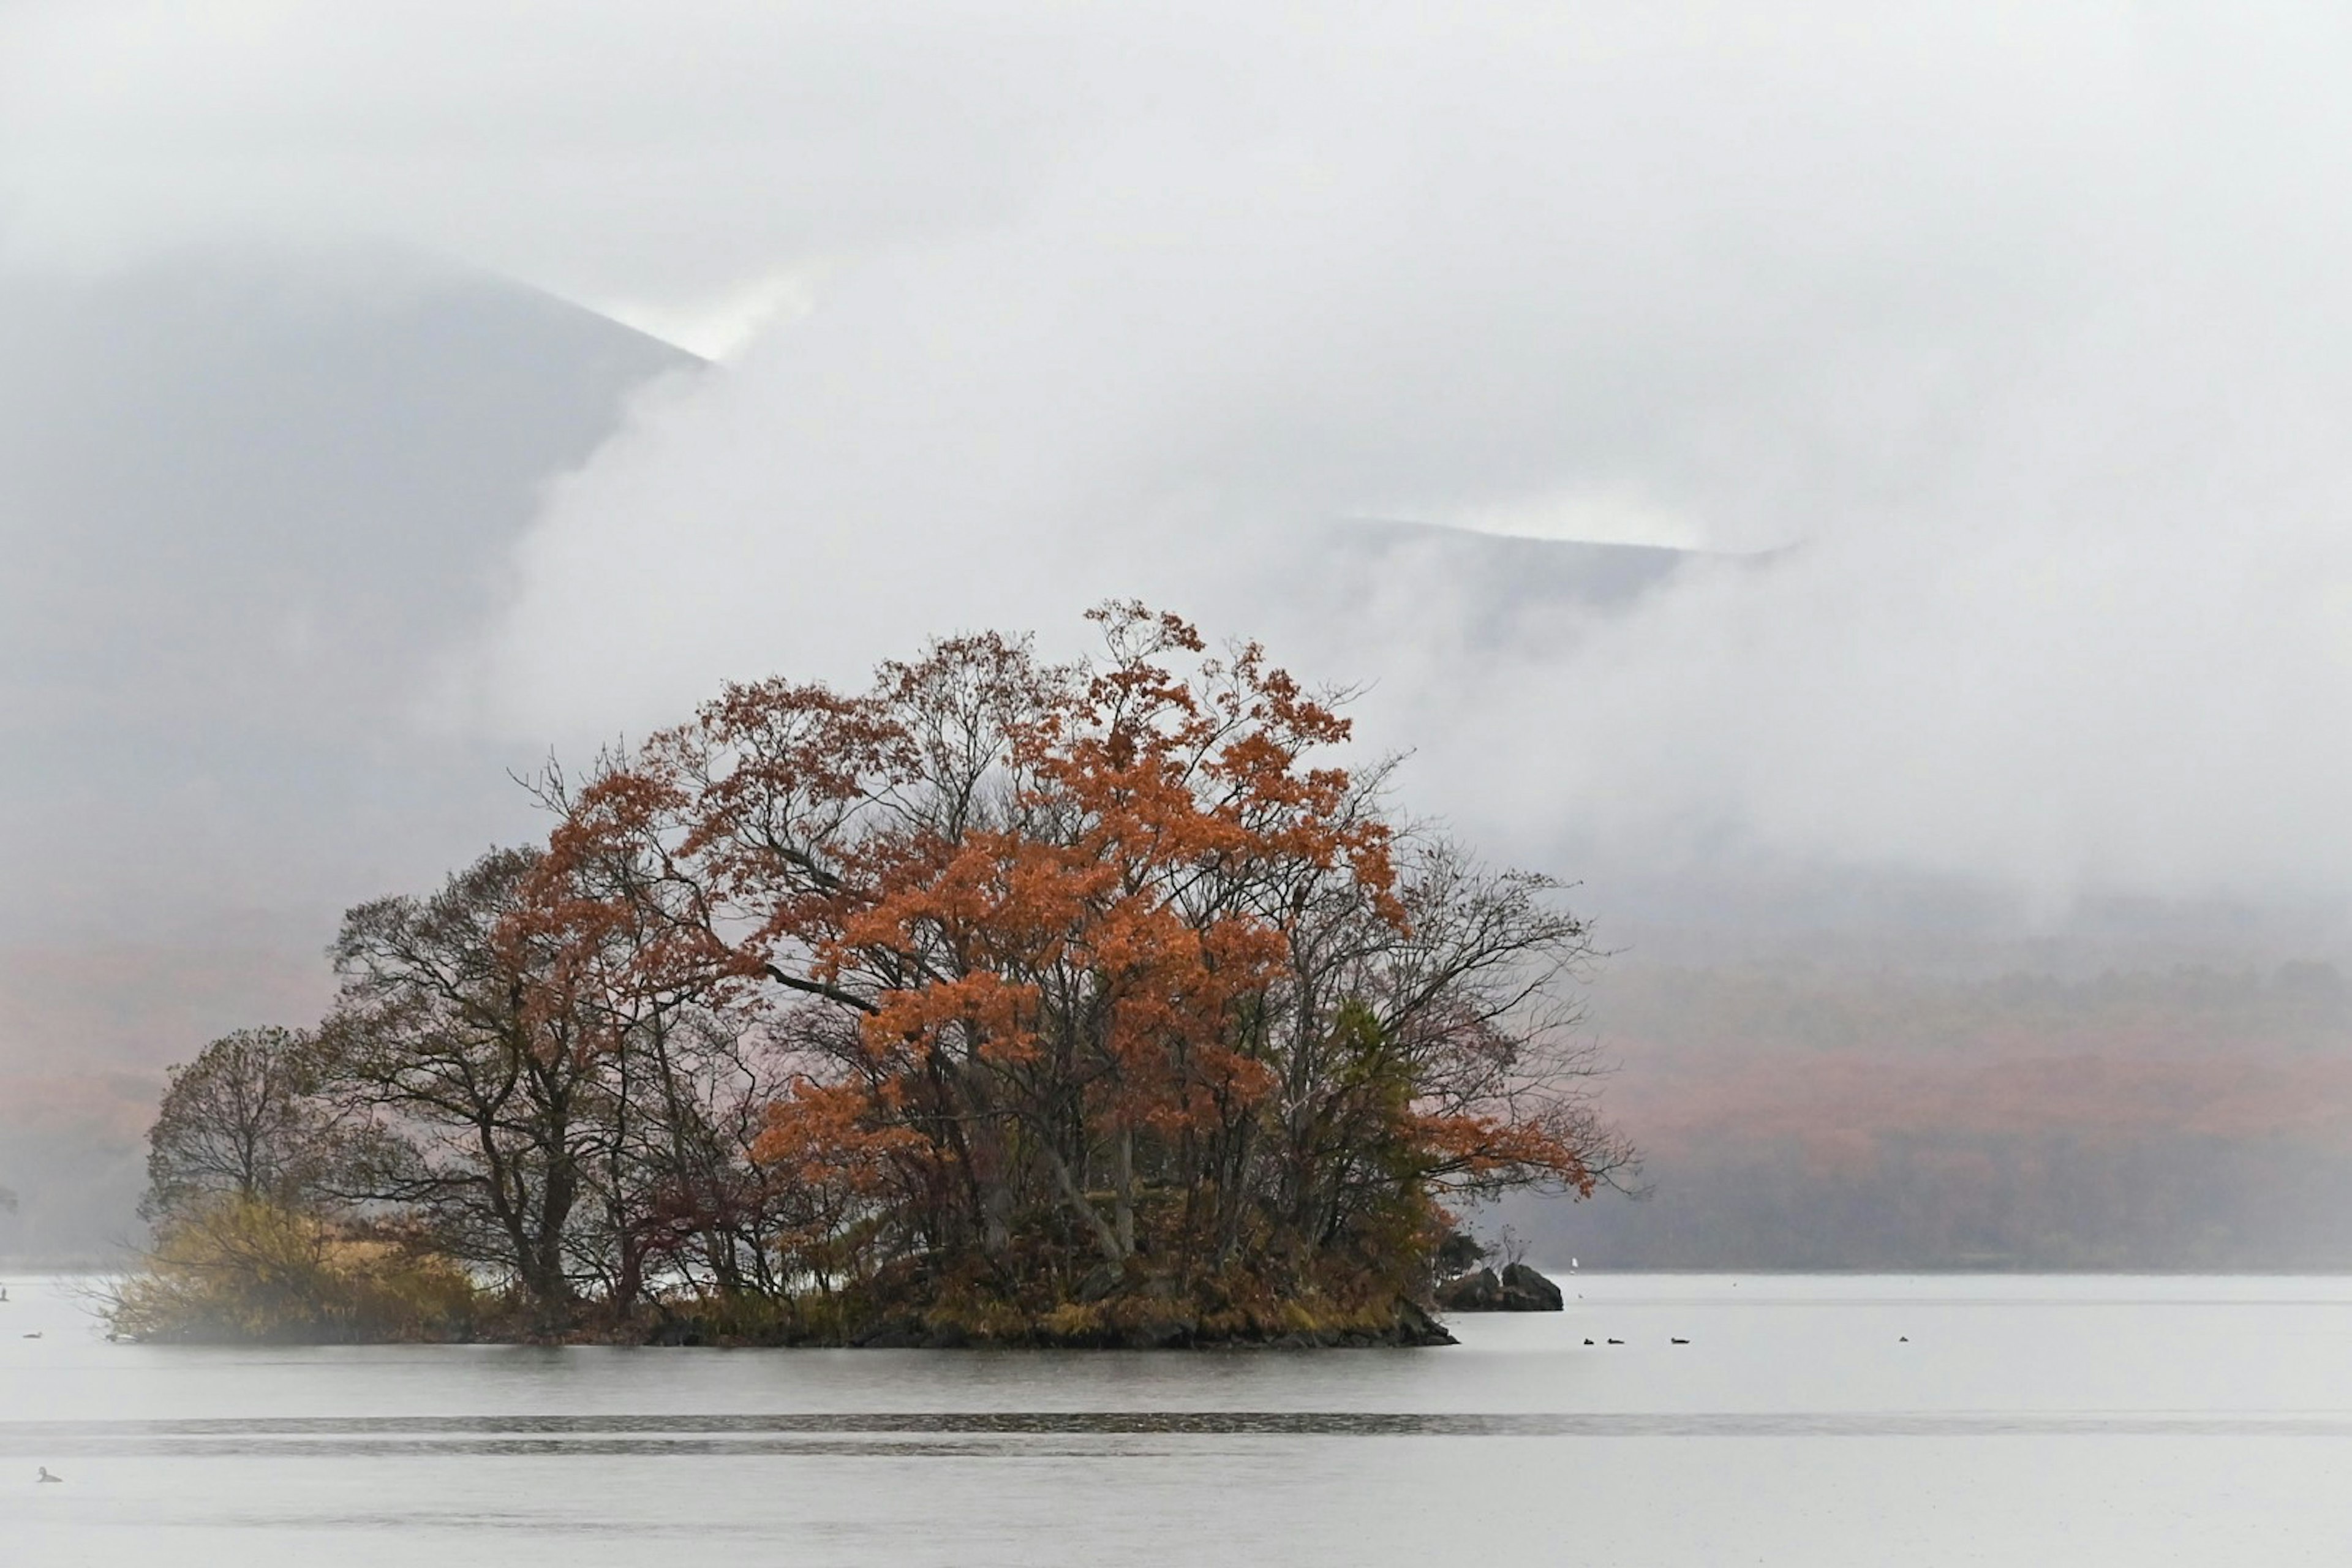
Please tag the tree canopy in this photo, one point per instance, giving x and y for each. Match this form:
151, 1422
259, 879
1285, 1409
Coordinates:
1004, 999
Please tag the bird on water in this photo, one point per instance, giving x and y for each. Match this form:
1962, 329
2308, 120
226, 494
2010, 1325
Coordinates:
45, 1478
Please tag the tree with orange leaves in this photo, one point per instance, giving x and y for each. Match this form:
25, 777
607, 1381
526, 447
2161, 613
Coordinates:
1100, 984
1004, 1000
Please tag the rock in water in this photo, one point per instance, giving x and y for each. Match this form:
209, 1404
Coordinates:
1518, 1288
1415, 1327
1476, 1292
1525, 1290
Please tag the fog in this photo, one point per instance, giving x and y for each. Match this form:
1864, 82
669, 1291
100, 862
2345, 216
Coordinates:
1967, 388
2015, 332
2018, 338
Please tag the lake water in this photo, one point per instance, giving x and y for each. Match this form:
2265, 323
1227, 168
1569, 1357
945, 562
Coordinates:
2026, 1421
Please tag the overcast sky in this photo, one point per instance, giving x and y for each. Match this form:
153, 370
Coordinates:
2023, 332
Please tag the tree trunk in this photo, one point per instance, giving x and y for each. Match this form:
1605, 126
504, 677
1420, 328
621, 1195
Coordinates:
1105, 1236
1123, 1190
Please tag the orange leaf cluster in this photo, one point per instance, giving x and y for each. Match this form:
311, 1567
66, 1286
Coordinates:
1106, 960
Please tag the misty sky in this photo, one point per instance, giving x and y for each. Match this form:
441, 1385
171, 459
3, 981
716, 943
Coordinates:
2020, 336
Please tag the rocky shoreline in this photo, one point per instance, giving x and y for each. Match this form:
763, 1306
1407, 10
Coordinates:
1410, 1326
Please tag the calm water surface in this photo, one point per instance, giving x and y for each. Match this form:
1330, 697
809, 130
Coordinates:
2026, 1420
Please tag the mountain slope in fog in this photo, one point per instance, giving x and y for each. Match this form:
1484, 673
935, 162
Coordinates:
246, 499
1504, 574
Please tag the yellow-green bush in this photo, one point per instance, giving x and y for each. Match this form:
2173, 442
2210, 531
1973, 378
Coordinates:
243, 1271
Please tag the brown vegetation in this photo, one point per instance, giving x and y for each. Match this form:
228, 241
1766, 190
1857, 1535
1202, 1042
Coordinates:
1003, 1001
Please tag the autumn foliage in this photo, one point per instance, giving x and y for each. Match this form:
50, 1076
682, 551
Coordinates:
1002, 999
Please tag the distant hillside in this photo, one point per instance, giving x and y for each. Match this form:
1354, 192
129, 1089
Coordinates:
1811, 1117
246, 499
1506, 572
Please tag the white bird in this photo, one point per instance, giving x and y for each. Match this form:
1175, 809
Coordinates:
45, 1478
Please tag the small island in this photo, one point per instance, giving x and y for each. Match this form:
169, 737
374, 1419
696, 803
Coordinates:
1005, 1003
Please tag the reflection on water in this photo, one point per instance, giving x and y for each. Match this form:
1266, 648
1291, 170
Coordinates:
1806, 1421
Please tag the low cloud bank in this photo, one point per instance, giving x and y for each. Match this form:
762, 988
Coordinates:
2020, 336
2024, 357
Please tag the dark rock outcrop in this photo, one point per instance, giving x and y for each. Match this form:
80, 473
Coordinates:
1415, 1327
1518, 1288
1525, 1290
1479, 1292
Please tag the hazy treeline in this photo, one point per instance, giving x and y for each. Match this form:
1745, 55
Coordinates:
1802, 1117
1799, 1115
1794, 1006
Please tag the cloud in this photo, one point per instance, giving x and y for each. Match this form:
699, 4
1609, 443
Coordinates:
2019, 333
